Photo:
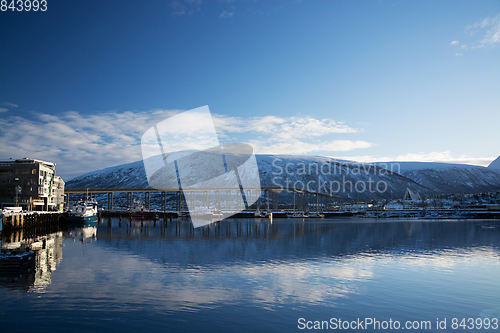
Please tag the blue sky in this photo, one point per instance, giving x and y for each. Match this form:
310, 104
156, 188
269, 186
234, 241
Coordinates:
369, 80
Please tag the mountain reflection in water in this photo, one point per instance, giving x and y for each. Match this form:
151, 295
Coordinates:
245, 274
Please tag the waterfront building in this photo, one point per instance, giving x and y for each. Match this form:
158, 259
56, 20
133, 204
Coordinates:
394, 205
412, 196
30, 184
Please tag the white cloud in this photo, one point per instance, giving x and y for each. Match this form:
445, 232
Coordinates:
82, 143
455, 42
458, 54
489, 28
442, 156
9, 104
226, 14
77, 143
299, 147
186, 7
478, 26
3, 110
285, 128
492, 37
290, 135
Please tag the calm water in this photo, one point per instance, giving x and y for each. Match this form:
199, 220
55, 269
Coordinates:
246, 276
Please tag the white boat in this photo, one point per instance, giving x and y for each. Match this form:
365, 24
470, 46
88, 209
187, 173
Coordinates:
12, 210
297, 215
83, 211
205, 212
201, 212
316, 215
217, 214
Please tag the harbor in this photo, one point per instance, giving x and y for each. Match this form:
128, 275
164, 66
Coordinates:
308, 205
176, 273
269, 201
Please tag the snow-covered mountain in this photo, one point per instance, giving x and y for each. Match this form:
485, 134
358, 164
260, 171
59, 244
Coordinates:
449, 178
339, 177
131, 175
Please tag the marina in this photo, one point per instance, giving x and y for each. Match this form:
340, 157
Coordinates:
83, 212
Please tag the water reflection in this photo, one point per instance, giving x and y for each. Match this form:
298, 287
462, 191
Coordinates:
46, 251
248, 240
241, 267
287, 262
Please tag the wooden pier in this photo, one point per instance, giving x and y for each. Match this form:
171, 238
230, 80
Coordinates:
30, 220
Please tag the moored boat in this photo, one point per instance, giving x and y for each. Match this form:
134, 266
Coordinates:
201, 212
183, 214
83, 211
137, 210
257, 214
297, 215
216, 213
15, 262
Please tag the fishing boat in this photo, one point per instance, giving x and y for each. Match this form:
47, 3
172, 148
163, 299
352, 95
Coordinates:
83, 211
137, 210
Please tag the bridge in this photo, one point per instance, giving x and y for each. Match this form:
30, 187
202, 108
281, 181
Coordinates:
221, 195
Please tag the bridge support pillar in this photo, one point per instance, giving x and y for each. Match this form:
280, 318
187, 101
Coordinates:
275, 200
147, 200
267, 196
129, 200
110, 200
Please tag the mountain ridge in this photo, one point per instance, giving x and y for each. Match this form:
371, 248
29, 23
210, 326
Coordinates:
428, 178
